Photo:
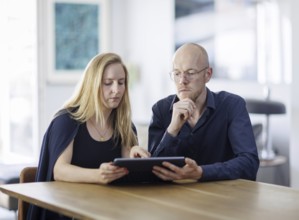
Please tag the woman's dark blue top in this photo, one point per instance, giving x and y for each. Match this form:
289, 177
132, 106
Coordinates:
87, 153
90, 153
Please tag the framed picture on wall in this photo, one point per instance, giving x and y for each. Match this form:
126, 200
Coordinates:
77, 32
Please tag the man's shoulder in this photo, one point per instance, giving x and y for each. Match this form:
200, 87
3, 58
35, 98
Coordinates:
166, 100
227, 96
228, 99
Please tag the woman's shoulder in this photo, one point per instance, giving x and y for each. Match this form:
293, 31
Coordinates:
63, 118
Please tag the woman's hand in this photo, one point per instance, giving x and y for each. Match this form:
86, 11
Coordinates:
108, 172
137, 151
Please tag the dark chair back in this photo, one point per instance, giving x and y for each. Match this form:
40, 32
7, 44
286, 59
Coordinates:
27, 175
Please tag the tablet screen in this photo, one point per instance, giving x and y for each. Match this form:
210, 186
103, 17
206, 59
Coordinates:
140, 169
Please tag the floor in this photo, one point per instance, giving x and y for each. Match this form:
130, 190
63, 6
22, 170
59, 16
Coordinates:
7, 215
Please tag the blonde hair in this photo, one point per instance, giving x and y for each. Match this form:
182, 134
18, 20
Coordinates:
87, 100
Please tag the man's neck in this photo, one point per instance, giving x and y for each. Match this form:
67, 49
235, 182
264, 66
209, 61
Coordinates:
201, 102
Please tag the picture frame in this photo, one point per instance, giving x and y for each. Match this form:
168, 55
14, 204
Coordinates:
77, 31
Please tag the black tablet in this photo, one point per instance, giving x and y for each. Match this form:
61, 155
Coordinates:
140, 169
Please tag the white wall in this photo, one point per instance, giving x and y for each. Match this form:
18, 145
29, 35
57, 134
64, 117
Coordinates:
142, 33
294, 147
149, 47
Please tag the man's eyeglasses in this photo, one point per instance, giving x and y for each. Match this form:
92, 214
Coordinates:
189, 74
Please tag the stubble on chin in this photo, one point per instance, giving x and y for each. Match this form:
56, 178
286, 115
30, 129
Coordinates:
181, 96
193, 97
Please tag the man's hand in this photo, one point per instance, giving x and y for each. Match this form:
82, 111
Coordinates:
182, 111
171, 172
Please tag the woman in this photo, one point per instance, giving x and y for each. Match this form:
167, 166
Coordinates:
92, 129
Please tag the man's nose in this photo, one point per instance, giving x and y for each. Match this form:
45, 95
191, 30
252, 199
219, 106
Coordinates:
183, 79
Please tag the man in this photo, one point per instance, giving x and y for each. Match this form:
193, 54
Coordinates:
212, 130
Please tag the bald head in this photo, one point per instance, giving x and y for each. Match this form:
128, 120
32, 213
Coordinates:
191, 53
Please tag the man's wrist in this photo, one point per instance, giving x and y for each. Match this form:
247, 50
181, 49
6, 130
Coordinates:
172, 132
200, 172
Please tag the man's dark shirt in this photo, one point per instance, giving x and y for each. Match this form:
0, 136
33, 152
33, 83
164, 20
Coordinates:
221, 142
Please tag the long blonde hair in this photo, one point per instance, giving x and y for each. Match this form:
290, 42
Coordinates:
87, 100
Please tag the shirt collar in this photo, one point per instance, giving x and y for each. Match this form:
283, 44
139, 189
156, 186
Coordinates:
210, 100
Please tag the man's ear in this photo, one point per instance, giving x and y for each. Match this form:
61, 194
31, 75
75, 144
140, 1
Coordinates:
208, 74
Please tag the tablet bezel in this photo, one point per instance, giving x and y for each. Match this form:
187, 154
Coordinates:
146, 164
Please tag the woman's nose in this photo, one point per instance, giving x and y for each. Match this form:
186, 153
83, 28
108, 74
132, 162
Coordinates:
115, 88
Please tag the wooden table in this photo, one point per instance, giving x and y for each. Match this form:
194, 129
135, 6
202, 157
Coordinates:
237, 199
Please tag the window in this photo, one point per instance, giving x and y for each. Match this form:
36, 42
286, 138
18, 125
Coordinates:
245, 39
18, 46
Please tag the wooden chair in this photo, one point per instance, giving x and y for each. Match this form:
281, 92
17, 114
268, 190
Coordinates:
10, 173
27, 175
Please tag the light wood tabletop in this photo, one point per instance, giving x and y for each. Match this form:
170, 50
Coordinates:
236, 199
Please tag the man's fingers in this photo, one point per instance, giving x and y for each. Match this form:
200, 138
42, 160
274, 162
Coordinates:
190, 162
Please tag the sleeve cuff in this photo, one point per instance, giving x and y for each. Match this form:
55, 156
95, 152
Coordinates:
208, 172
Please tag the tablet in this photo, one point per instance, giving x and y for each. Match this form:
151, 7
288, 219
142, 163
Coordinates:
140, 169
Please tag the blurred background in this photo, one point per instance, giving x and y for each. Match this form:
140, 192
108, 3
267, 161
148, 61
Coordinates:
45, 45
